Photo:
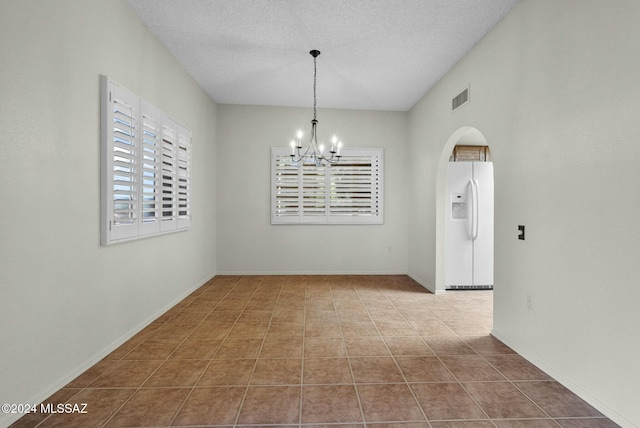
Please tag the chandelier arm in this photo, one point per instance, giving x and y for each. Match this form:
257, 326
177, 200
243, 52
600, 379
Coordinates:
300, 157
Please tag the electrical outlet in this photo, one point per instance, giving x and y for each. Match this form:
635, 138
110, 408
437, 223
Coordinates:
529, 302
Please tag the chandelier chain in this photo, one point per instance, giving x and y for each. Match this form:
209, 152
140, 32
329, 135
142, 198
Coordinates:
315, 72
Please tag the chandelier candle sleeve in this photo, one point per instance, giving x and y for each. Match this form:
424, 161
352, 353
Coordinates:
299, 137
336, 145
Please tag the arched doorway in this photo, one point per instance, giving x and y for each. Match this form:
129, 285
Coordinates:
468, 136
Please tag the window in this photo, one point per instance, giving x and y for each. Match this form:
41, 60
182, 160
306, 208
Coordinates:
146, 168
349, 192
470, 154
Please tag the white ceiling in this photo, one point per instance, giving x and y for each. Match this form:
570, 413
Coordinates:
376, 54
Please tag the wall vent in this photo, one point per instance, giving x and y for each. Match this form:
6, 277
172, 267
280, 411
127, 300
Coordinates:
459, 100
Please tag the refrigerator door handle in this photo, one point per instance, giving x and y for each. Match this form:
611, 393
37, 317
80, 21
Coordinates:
474, 208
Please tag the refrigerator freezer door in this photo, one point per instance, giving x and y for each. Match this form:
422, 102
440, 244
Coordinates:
459, 246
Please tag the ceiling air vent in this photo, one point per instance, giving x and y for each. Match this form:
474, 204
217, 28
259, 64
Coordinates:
459, 100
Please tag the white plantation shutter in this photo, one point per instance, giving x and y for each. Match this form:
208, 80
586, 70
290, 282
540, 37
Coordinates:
285, 186
313, 193
150, 170
146, 168
168, 170
349, 192
356, 187
121, 166
184, 177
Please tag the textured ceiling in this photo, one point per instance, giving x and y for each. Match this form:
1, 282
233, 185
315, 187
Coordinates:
376, 54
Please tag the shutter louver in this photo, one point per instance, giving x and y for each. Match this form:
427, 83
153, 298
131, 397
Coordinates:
124, 163
285, 188
120, 151
313, 191
184, 178
168, 172
150, 167
355, 187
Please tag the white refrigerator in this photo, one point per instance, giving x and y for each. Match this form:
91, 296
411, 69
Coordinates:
469, 246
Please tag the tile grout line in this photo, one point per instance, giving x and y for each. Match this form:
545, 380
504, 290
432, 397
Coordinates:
116, 411
304, 338
193, 387
475, 401
512, 382
506, 379
246, 391
353, 378
406, 382
438, 357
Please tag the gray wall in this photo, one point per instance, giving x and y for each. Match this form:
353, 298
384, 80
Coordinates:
248, 243
65, 300
554, 90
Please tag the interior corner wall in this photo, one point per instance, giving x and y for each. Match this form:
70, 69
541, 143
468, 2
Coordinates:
65, 300
554, 89
247, 241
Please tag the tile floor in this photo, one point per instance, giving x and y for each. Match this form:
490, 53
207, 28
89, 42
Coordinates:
312, 351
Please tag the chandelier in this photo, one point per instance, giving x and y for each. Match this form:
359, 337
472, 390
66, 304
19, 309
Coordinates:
315, 153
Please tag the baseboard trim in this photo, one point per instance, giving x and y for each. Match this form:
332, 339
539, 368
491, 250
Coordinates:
323, 273
422, 283
563, 380
64, 380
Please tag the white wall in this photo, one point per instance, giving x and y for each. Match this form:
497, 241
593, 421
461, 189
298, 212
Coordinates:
554, 89
248, 243
65, 300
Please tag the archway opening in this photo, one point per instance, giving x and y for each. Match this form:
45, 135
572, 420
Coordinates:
446, 210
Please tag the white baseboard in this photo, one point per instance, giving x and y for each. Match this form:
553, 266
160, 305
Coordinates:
564, 381
424, 284
324, 272
64, 380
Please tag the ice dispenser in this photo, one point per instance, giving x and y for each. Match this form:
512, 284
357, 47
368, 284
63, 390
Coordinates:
458, 206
